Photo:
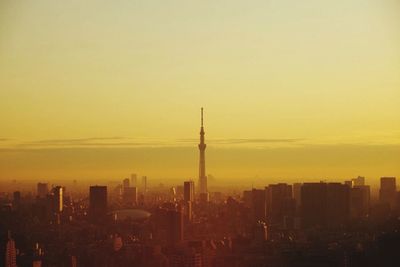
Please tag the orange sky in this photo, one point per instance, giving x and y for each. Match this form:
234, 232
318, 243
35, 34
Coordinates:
290, 89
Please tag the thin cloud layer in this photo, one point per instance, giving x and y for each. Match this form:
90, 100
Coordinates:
143, 142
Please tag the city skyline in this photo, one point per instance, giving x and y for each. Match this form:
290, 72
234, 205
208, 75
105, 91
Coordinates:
154, 133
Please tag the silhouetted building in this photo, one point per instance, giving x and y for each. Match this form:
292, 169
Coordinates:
387, 191
174, 219
259, 204
188, 210
248, 198
338, 204
125, 183
314, 204
57, 194
359, 201
42, 190
130, 196
280, 203
359, 181
297, 193
11, 253
97, 201
202, 164
325, 205
144, 184
134, 179
260, 232
16, 198
188, 191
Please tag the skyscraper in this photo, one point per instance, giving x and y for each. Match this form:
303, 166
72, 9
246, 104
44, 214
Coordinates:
11, 252
188, 191
97, 201
297, 193
280, 203
174, 219
130, 196
188, 197
125, 183
387, 192
42, 190
144, 184
202, 164
133, 179
325, 204
259, 204
58, 199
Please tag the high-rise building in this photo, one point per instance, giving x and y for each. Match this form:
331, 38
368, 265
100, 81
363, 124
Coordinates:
125, 183
11, 252
134, 179
338, 204
260, 232
188, 191
174, 219
359, 201
97, 201
188, 197
130, 196
280, 203
313, 204
387, 191
58, 199
248, 198
144, 184
259, 204
202, 164
42, 190
325, 205
359, 181
297, 194
16, 198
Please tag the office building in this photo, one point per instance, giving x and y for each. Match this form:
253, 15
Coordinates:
387, 191
97, 201
280, 203
359, 181
359, 201
58, 198
130, 196
134, 179
188, 191
297, 194
11, 252
259, 204
325, 204
42, 190
144, 184
125, 183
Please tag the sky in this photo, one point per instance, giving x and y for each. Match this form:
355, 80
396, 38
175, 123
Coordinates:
291, 89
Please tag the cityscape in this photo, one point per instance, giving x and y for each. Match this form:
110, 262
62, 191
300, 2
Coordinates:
212, 133
188, 225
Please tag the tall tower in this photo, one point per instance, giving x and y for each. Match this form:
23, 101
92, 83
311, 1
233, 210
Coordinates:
202, 164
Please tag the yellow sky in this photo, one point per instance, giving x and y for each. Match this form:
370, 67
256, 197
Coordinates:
270, 74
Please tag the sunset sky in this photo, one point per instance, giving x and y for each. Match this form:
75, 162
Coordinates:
291, 89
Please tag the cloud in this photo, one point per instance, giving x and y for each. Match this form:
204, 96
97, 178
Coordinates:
90, 142
77, 140
118, 141
245, 141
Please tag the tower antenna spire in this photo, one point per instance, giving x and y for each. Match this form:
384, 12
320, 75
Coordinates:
201, 117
